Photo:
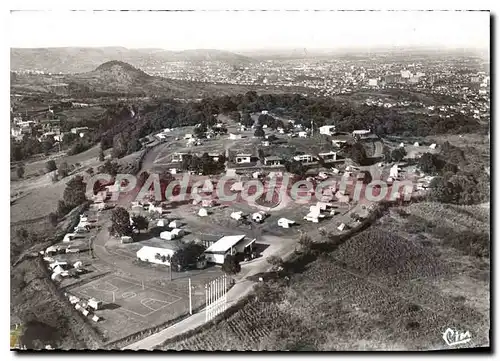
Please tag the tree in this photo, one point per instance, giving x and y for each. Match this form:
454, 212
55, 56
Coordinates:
398, 154
231, 266
63, 170
20, 171
140, 222
109, 167
246, 120
51, 165
74, 193
387, 154
305, 242
120, 222
235, 116
53, 218
187, 256
275, 261
259, 132
358, 153
296, 167
101, 155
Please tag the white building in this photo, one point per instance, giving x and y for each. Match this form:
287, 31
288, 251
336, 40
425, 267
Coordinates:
155, 255
372, 82
243, 158
234, 136
285, 223
303, 158
228, 245
327, 129
328, 156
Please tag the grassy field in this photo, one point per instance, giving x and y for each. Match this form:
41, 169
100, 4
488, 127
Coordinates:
391, 287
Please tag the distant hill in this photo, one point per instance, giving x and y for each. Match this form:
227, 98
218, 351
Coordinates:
78, 60
119, 78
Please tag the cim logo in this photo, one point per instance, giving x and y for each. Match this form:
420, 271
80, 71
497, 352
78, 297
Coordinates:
454, 337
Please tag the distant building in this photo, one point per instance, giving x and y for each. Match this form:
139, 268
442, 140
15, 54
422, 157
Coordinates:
270, 161
243, 158
328, 156
178, 157
372, 82
327, 129
361, 133
234, 136
405, 74
304, 158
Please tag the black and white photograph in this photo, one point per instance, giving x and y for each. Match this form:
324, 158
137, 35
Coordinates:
236, 180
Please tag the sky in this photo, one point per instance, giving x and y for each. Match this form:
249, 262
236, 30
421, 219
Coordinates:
247, 30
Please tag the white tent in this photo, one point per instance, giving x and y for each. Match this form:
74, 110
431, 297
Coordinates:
160, 223
259, 216
126, 239
341, 227
167, 235
285, 223
78, 264
202, 212
58, 269
432, 146
394, 171
416, 144
237, 215
95, 304
173, 224
56, 277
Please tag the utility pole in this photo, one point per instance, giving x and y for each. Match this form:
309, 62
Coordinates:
190, 299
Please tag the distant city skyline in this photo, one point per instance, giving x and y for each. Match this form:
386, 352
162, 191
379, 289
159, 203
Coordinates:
245, 31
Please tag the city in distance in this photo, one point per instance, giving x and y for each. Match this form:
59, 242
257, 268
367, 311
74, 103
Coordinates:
287, 198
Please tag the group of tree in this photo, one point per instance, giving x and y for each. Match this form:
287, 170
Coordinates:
73, 196
204, 164
357, 153
120, 222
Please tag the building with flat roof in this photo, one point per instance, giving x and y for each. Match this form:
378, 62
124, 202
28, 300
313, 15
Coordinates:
228, 245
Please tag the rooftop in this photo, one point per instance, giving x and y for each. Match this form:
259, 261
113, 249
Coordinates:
225, 243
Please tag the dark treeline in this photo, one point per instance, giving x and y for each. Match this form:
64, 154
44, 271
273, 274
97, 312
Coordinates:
122, 125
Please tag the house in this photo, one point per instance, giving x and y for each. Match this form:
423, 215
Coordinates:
228, 245
273, 161
126, 239
303, 158
302, 134
69, 237
285, 223
361, 133
188, 136
156, 255
340, 139
265, 112
327, 129
243, 158
178, 157
80, 130
95, 304
328, 156
234, 136
174, 224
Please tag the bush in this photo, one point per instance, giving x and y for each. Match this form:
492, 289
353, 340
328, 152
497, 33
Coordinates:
51, 165
231, 266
